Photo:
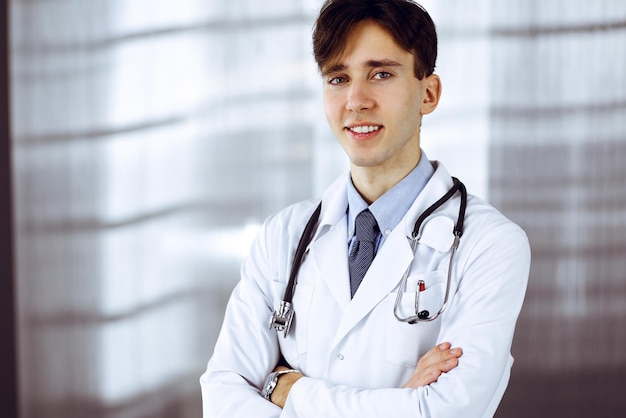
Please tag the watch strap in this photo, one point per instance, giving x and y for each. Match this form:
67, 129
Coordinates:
272, 380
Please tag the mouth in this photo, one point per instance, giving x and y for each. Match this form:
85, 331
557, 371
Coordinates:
363, 129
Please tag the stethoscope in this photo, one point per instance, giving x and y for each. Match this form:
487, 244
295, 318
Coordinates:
282, 318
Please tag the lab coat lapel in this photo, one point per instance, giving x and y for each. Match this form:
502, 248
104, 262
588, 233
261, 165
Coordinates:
382, 277
330, 255
329, 248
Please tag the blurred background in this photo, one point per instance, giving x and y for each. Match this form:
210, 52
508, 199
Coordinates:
146, 140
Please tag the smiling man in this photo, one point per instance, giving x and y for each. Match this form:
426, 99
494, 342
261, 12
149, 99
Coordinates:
374, 104
394, 295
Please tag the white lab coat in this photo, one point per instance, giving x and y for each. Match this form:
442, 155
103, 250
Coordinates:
354, 353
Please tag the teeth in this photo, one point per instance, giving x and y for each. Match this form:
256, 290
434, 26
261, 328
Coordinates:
364, 129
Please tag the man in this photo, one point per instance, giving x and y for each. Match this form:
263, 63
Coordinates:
352, 350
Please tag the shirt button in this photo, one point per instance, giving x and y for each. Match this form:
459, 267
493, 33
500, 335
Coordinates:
340, 356
387, 232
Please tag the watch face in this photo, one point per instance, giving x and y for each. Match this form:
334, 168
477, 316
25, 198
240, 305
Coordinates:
270, 385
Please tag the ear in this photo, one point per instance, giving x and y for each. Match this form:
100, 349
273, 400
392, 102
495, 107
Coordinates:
432, 93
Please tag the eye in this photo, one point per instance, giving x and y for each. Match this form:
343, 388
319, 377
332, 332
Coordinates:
338, 80
382, 75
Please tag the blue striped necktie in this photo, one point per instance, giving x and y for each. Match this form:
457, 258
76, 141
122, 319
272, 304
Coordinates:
363, 248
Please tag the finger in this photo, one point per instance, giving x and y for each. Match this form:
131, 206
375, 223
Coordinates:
442, 361
447, 348
449, 360
448, 354
440, 352
438, 360
436, 353
443, 346
433, 372
455, 352
449, 364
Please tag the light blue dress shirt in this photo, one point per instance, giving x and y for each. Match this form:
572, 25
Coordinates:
389, 209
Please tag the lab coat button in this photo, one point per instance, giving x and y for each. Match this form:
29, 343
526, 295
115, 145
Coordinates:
340, 356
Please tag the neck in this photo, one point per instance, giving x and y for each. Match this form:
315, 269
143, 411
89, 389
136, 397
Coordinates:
373, 182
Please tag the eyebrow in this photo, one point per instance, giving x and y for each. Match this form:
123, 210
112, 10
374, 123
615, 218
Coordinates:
382, 63
368, 64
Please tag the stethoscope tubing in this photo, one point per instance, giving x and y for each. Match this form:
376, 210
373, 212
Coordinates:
282, 318
424, 315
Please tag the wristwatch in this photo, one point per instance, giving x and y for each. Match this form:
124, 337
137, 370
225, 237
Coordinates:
272, 380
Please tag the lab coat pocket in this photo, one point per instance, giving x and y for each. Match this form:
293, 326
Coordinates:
296, 343
406, 343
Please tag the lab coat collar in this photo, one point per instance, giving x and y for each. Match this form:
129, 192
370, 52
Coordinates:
335, 204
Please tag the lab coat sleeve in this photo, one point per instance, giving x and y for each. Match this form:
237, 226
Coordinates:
481, 319
246, 350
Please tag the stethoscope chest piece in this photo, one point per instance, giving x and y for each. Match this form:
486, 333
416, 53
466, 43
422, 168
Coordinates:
282, 318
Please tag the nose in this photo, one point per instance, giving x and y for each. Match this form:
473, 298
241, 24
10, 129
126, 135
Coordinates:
359, 97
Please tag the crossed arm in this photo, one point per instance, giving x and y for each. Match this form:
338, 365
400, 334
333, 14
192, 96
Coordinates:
440, 359
481, 320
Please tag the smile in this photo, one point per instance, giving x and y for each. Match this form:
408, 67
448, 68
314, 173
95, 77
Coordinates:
364, 129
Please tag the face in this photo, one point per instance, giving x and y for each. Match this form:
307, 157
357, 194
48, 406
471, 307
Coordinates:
374, 102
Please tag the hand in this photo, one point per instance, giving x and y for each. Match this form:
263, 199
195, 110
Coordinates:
283, 386
440, 359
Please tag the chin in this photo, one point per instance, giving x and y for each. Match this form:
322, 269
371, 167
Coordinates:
363, 162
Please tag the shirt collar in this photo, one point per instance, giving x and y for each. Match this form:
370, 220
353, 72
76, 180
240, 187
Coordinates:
390, 208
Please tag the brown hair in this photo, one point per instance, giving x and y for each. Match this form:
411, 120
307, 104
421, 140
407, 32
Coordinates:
407, 22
